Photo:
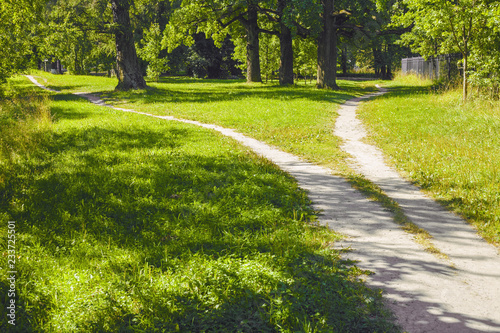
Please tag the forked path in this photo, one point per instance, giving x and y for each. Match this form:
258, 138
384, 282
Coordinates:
426, 294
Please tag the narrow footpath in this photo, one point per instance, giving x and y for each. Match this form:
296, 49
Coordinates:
427, 294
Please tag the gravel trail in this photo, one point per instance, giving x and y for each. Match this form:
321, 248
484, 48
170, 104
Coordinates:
426, 294
461, 294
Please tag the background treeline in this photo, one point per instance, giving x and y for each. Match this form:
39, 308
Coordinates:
215, 39
283, 39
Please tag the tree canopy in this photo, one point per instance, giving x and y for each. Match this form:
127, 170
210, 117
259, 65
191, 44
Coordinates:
468, 27
270, 38
19, 32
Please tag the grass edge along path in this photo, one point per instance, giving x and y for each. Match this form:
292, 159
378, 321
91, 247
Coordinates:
280, 273
310, 154
448, 150
297, 119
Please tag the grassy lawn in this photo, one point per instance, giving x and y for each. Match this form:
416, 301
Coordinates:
129, 223
298, 119
450, 150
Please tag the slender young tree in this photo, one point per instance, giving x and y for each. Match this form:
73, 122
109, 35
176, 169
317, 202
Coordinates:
454, 24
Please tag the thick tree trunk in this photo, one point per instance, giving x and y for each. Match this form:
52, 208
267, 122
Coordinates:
286, 49
286, 57
383, 72
253, 58
129, 73
327, 49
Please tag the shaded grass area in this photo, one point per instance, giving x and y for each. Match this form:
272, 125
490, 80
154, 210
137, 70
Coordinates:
450, 150
299, 119
129, 223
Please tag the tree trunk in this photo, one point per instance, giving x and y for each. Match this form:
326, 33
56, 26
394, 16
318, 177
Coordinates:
327, 49
253, 59
464, 84
286, 48
344, 61
376, 62
129, 73
383, 72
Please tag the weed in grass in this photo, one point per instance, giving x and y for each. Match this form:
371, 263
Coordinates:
24, 121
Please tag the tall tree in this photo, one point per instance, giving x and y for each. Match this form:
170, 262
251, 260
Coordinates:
333, 20
286, 45
288, 19
216, 19
485, 54
129, 73
250, 22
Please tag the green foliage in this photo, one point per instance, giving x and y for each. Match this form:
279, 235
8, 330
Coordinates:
305, 13
485, 58
18, 28
469, 27
131, 223
206, 60
270, 57
78, 34
440, 26
305, 58
150, 52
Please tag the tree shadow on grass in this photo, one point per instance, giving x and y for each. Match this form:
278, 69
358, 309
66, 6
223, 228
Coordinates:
63, 112
188, 80
408, 91
205, 92
163, 197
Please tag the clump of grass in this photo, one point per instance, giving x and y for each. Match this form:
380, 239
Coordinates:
409, 80
448, 149
130, 223
24, 123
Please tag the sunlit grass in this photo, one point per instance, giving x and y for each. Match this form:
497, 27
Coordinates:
299, 119
130, 223
450, 150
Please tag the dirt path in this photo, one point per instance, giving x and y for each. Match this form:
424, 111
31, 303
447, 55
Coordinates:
427, 294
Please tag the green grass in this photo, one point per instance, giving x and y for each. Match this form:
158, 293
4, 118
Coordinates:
298, 119
129, 223
450, 150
